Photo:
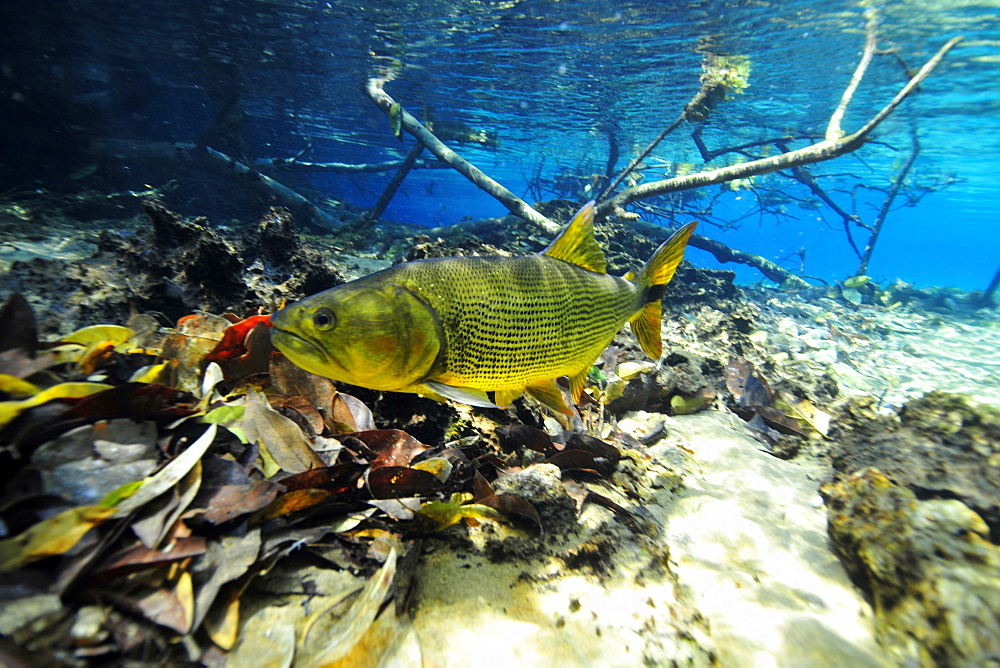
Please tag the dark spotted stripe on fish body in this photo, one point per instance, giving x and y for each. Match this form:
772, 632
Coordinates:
459, 327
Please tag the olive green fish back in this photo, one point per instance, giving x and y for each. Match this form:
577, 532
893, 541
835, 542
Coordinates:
511, 321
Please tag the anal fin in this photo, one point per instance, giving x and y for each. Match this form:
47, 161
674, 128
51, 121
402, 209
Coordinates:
463, 395
576, 384
548, 393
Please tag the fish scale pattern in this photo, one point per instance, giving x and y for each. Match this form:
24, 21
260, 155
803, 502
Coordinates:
511, 321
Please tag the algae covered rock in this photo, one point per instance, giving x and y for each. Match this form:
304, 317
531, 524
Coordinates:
541, 485
941, 445
932, 575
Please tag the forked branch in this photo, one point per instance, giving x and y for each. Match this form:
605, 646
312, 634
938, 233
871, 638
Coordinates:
818, 152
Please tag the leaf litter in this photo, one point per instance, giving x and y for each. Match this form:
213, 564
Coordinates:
154, 476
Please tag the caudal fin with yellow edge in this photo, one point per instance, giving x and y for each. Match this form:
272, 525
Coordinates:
652, 280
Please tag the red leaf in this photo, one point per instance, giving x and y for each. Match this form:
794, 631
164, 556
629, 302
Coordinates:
393, 447
138, 401
337, 478
233, 340
513, 436
230, 501
138, 557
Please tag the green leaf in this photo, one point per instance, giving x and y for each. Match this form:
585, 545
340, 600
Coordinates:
224, 416
125, 491
438, 515
396, 120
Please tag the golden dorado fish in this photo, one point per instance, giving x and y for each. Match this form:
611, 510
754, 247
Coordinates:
458, 327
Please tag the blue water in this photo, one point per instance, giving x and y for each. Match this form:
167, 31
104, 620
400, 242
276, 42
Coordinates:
545, 78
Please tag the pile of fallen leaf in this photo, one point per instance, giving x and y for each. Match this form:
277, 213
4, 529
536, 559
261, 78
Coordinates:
772, 417
150, 474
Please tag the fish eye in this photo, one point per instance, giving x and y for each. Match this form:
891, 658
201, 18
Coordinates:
324, 319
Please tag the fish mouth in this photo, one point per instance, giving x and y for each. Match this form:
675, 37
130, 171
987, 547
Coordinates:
297, 345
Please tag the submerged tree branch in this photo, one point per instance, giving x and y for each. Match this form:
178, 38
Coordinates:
517, 206
834, 144
185, 152
833, 130
343, 167
818, 152
897, 183
390, 190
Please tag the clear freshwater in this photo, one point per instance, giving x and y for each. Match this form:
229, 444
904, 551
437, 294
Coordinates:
805, 477
546, 80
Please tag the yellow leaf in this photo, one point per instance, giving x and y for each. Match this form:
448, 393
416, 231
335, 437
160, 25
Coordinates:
11, 409
156, 373
97, 333
438, 466
803, 412
223, 621
16, 387
55, 535
185, 594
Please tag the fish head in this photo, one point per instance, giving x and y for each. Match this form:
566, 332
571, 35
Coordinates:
381, 337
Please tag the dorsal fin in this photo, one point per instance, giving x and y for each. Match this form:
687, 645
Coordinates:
576, 244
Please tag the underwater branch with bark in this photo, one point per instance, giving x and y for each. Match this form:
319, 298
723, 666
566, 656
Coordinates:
835, 143
827, 149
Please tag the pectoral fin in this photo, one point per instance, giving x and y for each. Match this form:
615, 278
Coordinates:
463, 395
505, 398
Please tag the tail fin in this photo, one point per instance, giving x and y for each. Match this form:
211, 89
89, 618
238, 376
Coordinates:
652, 281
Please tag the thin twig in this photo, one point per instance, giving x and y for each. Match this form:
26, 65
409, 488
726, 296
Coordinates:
833, 131
818, 152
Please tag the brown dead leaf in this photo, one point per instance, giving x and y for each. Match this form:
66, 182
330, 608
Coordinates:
291, 380
511, 505
19, 331
737, 372
396, 482
222, 622
221, 504
299, 410
300, 499
163, 607
226, 560
194, 337
350, 414
281, 437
